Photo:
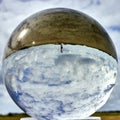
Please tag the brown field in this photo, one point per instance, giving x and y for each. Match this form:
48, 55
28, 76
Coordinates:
108, 115
103, 115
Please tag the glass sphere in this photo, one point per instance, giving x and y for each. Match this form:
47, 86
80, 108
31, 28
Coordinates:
59, 64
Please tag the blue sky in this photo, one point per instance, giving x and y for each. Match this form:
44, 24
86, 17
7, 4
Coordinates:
12, 12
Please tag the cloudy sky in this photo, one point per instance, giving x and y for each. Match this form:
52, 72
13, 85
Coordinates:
12, 12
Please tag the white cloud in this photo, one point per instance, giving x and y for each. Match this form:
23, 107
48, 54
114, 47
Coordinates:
55, 72
12, 12
6, 103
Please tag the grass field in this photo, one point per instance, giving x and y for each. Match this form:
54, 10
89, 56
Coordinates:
103, 115
108, 115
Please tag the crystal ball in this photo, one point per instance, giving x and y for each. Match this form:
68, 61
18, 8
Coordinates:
59, 64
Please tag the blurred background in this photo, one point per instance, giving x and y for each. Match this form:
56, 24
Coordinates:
12, 12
